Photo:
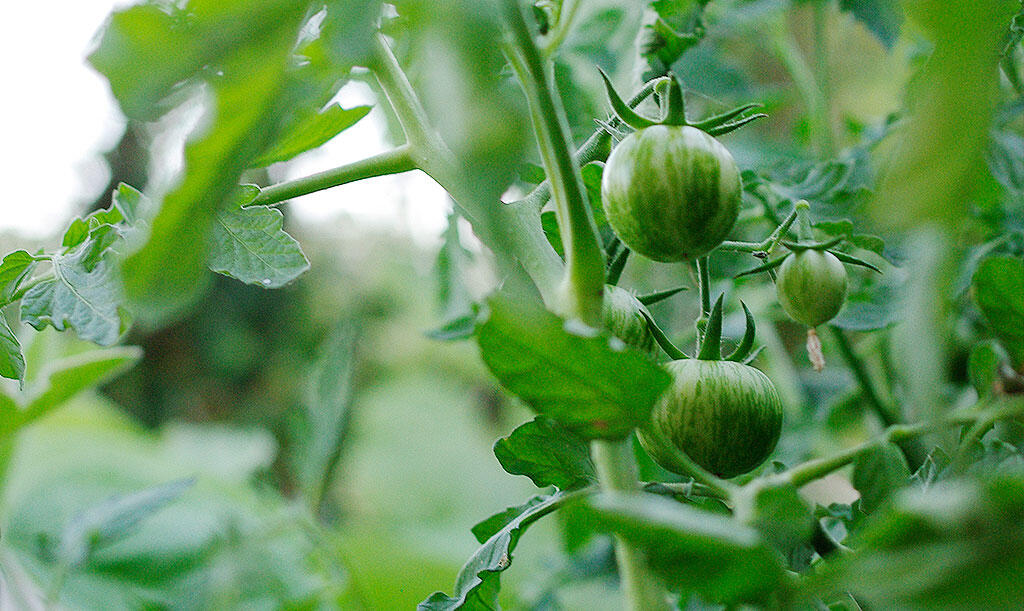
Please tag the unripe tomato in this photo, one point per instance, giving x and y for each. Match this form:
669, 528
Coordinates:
624, 319
811, 286
724, 415
671, 192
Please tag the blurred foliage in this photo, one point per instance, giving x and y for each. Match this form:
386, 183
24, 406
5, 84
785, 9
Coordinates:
328, 441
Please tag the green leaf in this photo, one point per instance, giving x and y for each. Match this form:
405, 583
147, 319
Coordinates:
12, 361
478, 583
327, 410
881, 17
251, 43
549, 223
112, 520
983, 366
999, 291
693, 550
777, 511
878, 473
458, 328
15, 268
311, 133
453, 294
592, 174
251, 245
547, 453
129, 202
876, 304
66, 378
86, 299
586, 380
844, 228
958, 544
485, 529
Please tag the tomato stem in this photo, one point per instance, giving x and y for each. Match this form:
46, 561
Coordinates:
394, 161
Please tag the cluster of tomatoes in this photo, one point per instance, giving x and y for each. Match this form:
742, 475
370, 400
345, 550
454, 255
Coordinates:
672, 192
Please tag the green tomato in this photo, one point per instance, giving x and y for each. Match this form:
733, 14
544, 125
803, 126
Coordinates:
725, 416
623, 317
811, 286
671, 192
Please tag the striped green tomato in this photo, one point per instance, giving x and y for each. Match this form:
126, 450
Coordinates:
671, 192
724, 415
623, 317
811, 286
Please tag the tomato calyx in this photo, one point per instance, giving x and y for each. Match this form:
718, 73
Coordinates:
675, 110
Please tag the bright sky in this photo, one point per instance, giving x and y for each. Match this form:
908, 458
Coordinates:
57, 117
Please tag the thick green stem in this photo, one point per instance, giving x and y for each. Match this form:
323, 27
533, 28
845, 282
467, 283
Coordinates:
583, 285
616, 471
390, 162
583, 288
511, 229
704, 290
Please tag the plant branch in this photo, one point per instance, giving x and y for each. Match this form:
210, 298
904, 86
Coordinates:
768, 244
887, 413
585, 274
394, 161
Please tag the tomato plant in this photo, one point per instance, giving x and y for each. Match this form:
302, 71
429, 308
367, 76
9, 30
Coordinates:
876, 198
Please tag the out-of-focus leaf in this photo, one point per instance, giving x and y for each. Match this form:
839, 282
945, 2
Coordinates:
453, 294
112, 520
311, 133
876, 304
844, 228
881, 17
547, 453
15, 268
952, 100
67, 377
783, 518
251, 245
878, 473
693, 550
458, 328
12, 361
549, 222
958, 544
253, 43
587, 381
81, 296
327, 410
478, 583
983, 366
999, 291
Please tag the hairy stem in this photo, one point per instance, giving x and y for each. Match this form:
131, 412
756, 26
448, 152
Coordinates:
585, 274
390, 162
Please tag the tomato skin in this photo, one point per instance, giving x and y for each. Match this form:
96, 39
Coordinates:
670, 192
724, 415
811, 286
624, 318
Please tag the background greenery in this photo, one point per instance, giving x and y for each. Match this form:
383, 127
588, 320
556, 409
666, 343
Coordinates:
313, 446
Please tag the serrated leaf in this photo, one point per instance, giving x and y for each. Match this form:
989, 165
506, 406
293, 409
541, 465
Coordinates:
112, 520
999, 292
251, 245
129, 201
66, 378
547, 453
587, 381
478, 583
485, 529
882, 18
693, 550
311, 133
251, 44
878, 473
12, 361
15, 268
85, 299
